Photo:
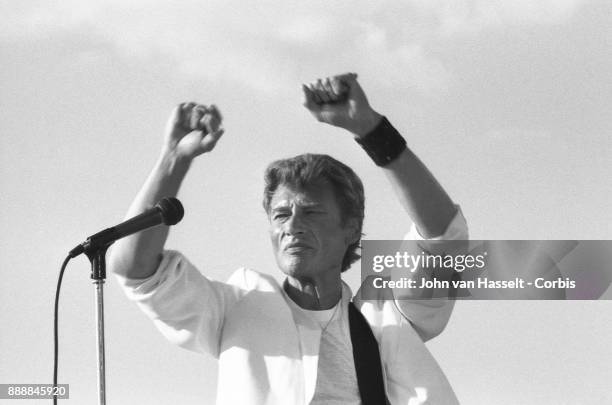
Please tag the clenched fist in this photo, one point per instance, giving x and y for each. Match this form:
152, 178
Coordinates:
193, 129
340, 101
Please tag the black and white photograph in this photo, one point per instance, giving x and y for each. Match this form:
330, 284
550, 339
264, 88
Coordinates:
236, 202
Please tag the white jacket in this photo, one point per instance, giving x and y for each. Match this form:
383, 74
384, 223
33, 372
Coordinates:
247, 324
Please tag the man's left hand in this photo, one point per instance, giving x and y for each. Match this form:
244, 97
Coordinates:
340, 101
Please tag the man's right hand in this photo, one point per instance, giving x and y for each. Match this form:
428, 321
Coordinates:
192, 129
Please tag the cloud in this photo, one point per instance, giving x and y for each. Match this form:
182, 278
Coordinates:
270, 45
473, 16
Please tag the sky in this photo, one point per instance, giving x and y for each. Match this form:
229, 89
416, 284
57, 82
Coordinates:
506, 102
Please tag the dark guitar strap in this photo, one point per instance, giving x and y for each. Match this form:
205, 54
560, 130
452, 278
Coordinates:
367, 360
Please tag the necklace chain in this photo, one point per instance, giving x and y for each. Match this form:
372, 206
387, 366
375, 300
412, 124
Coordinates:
338, 305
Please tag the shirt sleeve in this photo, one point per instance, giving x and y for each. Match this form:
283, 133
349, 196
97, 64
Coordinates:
456, 230
186, 307
429, 317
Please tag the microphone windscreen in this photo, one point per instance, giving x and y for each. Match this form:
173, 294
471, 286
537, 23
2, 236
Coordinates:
171, 209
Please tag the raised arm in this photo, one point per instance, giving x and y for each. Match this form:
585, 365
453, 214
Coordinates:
192, 130
340, 101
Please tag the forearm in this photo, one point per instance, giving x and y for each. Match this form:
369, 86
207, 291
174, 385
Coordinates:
423, 198
138, 255
340, 101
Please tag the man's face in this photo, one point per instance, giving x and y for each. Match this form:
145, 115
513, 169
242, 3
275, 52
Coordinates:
306, 230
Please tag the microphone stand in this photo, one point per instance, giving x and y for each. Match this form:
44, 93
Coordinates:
168, 211
97, 257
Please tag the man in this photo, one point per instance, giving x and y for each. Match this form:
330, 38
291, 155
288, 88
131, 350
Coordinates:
293, 344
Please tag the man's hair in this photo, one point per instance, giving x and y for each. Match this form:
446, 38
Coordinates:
308, 169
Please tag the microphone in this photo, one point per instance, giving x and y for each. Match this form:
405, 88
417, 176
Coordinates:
168, 211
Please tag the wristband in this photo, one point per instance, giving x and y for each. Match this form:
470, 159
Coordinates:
383, 144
